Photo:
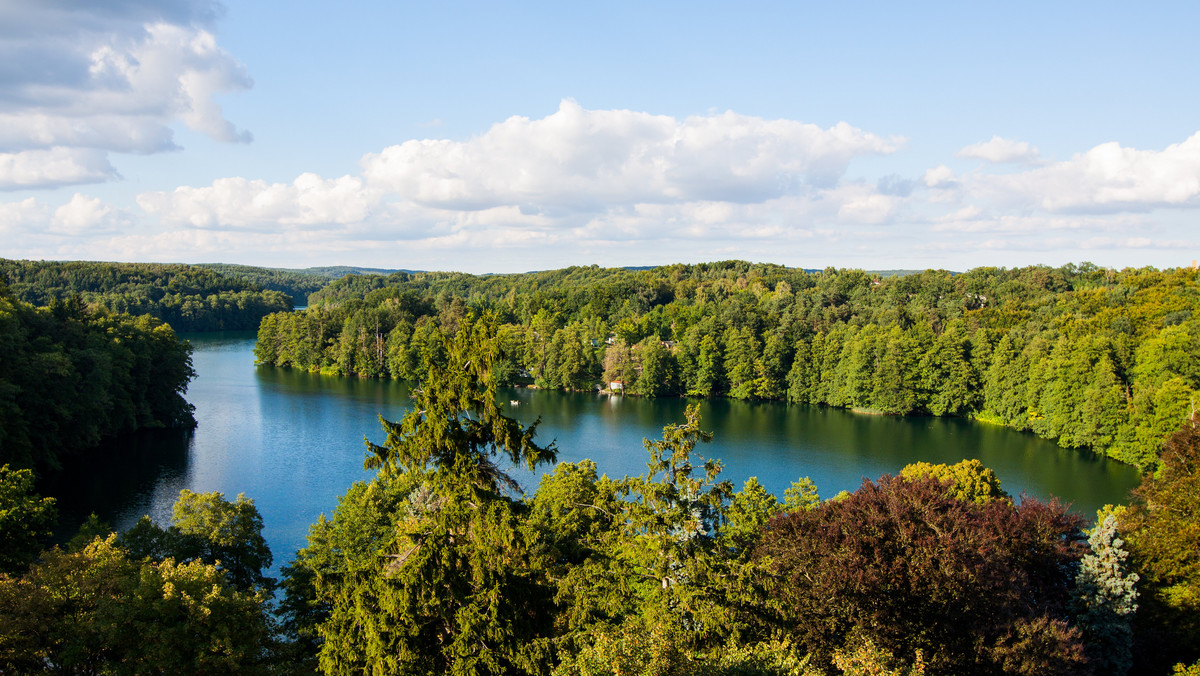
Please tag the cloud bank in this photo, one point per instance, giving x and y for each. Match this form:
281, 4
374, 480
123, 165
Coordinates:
81, 80
626, 187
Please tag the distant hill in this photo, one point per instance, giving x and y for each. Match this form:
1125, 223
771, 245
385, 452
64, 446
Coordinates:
188, 297
339, 271
295, 282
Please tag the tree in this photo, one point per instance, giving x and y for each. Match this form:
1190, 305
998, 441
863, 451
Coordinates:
710, 371
979, 588
1162, 533
658, 368
1105, 598
432, 546
25, 520
97, 611
967, 480
208, 528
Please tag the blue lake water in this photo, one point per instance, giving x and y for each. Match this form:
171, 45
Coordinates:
293, 442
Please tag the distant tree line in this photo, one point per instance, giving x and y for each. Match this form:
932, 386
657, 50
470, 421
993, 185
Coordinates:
297, 284
71, 377
1091, 357
189, 298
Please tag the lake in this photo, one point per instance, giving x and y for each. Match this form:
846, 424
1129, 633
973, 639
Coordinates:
293, 441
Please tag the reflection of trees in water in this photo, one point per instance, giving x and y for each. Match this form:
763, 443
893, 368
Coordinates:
119, 480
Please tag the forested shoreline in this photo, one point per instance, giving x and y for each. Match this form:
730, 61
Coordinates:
1091, 357
71, 377
189, 298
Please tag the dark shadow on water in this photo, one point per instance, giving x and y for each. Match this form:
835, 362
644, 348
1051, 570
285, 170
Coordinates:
118, 480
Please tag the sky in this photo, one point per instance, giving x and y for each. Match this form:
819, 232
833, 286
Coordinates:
507, 137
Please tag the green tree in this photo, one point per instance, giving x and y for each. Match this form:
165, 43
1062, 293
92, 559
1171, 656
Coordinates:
208, 528
659, 370
448, 571
710, 371
95, 611
1162, 533
25, 520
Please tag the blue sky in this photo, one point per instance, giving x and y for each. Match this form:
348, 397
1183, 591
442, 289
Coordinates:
502, 137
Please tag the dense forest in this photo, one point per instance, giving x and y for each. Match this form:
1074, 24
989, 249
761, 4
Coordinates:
1092, 357
189, 298
436, 566
72, 376
296, 283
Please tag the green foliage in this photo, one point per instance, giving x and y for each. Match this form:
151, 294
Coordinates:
967, 480
189, 298
206, 527
801, 495
297, 284
749, 510
1093, 358
1162, 534
96, 611
862, 657
25, 520
440, 556
71, 378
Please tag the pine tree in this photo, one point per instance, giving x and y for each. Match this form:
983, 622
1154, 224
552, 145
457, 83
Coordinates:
1105, 598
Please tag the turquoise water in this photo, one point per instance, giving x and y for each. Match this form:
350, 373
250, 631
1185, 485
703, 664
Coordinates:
293, 442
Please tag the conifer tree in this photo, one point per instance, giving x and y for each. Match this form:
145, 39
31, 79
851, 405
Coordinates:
1105, 598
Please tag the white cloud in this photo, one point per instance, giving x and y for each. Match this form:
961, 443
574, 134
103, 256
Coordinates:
1106, 179
87, 215
92, 78
587, 160
1001, 150
309, 201
17, 218
940, 177
53, 167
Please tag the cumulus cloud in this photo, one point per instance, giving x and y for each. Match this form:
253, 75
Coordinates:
54, 167
940, 177
107, 77
87, 215
583, 160
31, 223
1001, 150
1109, 178
309, 201
20, 217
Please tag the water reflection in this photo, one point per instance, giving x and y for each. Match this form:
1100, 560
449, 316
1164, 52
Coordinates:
121, 480
293, 442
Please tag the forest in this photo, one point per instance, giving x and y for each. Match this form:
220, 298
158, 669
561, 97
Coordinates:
72, 376
189, 298
296, 283
439, 563
436, 565
1091, 357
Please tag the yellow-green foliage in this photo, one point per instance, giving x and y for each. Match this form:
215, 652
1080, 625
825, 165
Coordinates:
862, 657
969, 479
97, 611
